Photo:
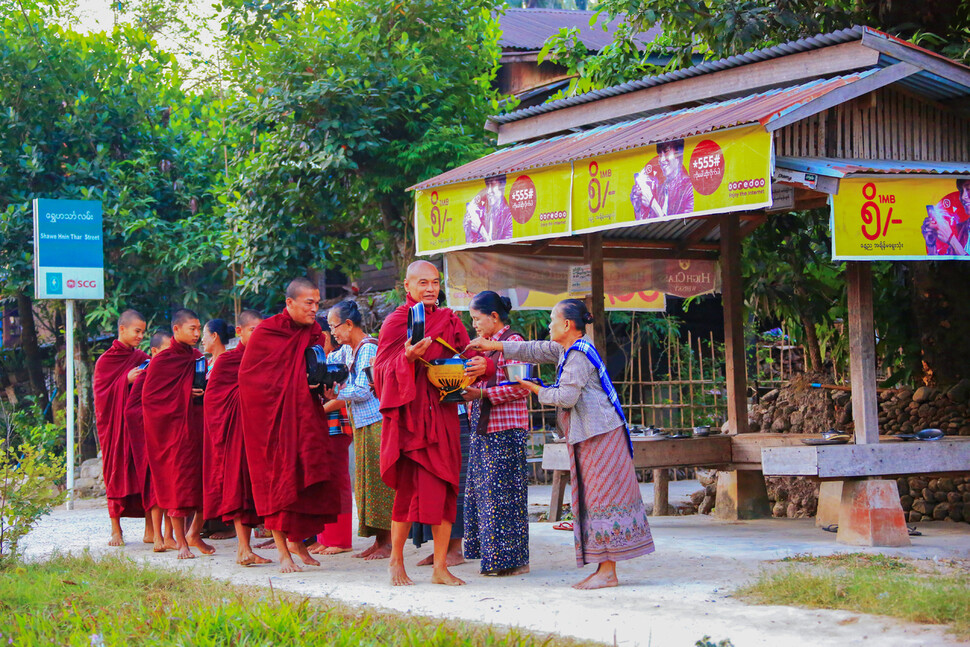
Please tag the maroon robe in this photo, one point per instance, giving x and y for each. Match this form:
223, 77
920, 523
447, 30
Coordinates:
228, 490
293, 461
123, 480
420, 436
135, 428
173, 429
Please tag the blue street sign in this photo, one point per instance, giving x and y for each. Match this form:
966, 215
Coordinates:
68, 249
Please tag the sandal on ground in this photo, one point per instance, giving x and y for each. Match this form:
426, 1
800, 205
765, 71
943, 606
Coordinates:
563, 525
832, 527
913, 532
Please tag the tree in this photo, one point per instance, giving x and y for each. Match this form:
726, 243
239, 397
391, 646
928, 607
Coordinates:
349, 103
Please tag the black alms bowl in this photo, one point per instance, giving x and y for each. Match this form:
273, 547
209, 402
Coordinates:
416, 323
199, 375
318, 371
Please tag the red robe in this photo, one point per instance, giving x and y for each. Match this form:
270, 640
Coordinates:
293, 460
420, 436
228, 489
135, 428
124, 479
174, 429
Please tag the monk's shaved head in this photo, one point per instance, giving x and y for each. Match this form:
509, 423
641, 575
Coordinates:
423, 283
249, 317
159, 338
298, 286
182, 315
129, 317
420, 268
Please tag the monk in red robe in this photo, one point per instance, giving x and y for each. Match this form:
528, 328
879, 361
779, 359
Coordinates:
172, 411
123, 465
293, 458
135, 427
228, 493
420, 441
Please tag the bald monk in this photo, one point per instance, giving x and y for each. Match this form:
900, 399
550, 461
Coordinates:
135, 426
228, 493
285, 429
172, 411
123, 465
420, 443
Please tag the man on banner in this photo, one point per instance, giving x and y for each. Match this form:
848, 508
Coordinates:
293, 460
488, 216
420, 442
172, 411
124, 475
946, 227
674, 195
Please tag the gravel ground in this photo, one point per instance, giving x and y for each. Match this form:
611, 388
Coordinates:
670, 598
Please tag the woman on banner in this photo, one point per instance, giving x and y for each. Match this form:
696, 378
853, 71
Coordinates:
610, 519
496, 492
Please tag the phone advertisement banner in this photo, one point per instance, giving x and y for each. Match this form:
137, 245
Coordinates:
713, 173
901, 218
502, 208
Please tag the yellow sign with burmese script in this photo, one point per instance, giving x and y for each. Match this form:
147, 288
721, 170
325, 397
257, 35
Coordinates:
901, 218
713, 173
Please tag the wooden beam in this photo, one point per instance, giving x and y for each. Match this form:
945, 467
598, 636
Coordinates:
777, 72
926, 60
656, 454
862, 353
876, 80
752, 224
609, 253
698, 234
874, 459
731, 298
596, 301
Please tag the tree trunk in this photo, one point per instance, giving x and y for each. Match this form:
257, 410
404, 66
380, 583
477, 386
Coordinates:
28, 340
402, 251
812, 345
941, 305
84, 382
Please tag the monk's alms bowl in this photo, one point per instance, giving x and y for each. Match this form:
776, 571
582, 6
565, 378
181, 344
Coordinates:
416, 323
448, 375
199, 377
369, 373
318, 371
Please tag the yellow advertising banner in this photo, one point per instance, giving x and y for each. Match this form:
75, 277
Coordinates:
539, 282
901, 218
502, 208
714, 173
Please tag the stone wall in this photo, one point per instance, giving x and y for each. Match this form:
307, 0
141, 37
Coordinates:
88, 479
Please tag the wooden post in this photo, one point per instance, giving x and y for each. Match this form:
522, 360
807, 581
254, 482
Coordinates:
595, 302
661, 498
862, 353
731, 298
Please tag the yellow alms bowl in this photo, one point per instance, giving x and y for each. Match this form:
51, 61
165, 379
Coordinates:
449, 376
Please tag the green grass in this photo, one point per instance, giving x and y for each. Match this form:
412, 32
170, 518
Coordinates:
922, 591
87, 602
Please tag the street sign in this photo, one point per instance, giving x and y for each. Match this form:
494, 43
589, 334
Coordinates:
68, 249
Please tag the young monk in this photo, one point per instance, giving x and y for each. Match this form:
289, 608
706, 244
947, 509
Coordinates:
420, 444
174, 429
228, 493
285, 429
123, 469
135, 426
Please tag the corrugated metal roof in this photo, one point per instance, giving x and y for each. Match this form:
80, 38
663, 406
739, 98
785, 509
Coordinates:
840, 168
528, 29
759, 108
794, 47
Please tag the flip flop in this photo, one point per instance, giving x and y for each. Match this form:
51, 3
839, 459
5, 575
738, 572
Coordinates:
913, 532
563, 525
833, 527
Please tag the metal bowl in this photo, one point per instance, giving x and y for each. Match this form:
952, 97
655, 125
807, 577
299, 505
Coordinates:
929, 434
517, 372
369, 372
703, 430
416, 323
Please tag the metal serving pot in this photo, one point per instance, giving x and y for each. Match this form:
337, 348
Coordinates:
528, 372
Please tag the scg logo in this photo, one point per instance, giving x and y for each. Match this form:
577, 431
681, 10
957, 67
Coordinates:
71, 283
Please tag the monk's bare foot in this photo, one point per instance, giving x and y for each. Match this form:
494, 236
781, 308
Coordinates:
251, 559
170, 544
223, 534
399, 576
267, 544
598, 581
116, 540
159, 546
364, 554
148, 539
185, 553
196, 542
445, 577
287, 565
299, 549
380, 552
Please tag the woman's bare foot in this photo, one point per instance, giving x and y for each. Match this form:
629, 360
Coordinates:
334, 550
380, 552
116, 539
364, 554
445, 577
299, 549
266, 544
505, 572
598, 580
223, 534
251, 559
399, 576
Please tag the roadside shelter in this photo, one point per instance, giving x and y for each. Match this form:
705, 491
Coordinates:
681, 166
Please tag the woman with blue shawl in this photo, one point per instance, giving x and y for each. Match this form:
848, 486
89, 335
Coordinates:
610, 521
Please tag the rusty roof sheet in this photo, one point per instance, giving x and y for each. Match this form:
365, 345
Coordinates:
528, 29
845, 167
758, 108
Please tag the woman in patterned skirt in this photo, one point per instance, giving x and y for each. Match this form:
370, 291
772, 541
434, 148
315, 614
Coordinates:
496, 493
610, 520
